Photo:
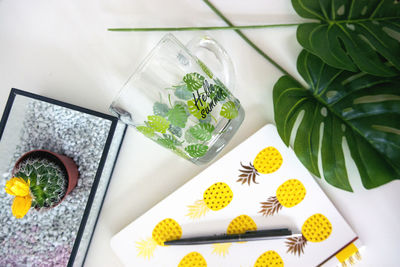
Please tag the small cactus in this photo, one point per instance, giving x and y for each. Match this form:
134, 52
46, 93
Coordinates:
47, 181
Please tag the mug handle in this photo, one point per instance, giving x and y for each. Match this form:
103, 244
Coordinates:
208, 43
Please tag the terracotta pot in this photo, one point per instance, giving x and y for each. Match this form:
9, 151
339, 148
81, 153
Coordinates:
66, 164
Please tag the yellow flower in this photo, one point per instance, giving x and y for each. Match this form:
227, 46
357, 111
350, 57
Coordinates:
21, 205
17, 186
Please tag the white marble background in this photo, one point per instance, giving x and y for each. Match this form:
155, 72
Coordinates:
61, 49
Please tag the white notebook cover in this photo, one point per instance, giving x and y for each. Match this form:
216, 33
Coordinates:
245, 208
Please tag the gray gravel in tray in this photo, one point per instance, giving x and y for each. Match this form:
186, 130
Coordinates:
46, 238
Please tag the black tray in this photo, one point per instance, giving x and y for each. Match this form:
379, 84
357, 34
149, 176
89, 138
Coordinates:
60, 236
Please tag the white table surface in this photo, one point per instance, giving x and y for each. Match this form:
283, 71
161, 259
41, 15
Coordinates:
61, 49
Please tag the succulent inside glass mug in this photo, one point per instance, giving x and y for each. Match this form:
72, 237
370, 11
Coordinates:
174, 99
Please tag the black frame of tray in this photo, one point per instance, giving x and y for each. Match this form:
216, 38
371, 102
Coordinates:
114, 120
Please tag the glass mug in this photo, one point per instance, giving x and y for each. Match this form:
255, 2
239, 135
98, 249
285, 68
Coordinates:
174, 99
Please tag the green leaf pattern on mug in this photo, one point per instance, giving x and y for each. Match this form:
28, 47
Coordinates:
175, 130
202, 132
160, 109
177, 116
158, 123
194, 81
182, 92
220, 93
193, 108
206, 120
229, 110
173, 126
182, 103
196, 151
147, 131
189, 138
167, 143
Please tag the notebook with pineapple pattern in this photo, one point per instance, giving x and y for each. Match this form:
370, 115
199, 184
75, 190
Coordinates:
258, 185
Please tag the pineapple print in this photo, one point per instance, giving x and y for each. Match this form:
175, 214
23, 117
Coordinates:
288, 195
239, 225
269, 258
221, 249
268, 160
165, 230
316, 228
193, 259
215, 198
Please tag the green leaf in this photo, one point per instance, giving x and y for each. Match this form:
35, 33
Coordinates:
174, 140
353, 35
189, 138
206, 120
197, 111
202, 132
183, 103
362, 109
147, 131
182, 92
229, 110
196, 151
158, 123
165, 142
220, 93
177, 116
160, 109
169, 141
194, 81
177, 131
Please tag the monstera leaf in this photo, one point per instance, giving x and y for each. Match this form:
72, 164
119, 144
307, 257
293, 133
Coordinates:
177, 116
339, 107
160, 109
222, 91
194, 81
169, 141
147, 131
353, 35
189, 138
196, 110
166, 142
175, 130
229, 110
202, 131
182, 92
158, 123
196, 151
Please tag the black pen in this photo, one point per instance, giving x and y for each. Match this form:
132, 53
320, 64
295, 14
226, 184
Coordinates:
228, 238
